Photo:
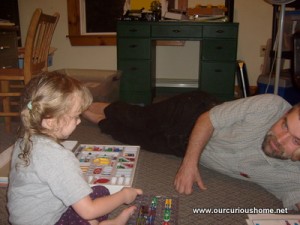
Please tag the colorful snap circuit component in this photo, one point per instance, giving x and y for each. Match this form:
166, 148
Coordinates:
101, 161
155, 210
112, 166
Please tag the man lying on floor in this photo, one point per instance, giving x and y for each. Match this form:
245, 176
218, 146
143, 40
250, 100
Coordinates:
255, 139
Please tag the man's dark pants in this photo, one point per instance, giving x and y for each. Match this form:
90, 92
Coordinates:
162, 127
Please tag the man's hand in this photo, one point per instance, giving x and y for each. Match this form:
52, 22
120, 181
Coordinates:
188, 173
186, 176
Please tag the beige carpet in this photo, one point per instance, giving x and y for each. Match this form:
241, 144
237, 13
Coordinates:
155, 173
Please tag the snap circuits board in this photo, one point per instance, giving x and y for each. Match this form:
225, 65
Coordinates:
155, 210
112, 166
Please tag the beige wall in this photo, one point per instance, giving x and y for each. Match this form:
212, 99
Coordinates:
255, 18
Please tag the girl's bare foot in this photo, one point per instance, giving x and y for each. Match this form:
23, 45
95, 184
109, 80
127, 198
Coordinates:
98, 107
122, 218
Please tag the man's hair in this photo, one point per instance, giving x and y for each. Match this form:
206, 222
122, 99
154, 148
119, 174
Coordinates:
297, 107
296, 154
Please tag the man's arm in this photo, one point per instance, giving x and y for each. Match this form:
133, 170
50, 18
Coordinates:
298, 206
188, 173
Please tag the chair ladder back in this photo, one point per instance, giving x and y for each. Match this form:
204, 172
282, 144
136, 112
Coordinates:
38, 44
36, 51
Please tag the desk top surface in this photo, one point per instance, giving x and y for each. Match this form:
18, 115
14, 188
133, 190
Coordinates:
179, 22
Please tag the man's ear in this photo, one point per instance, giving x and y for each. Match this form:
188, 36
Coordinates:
48, 123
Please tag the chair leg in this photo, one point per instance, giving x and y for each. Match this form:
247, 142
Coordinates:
7, 119
7, 122
6, 106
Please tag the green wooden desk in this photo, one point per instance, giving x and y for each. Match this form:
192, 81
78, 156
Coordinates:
136, 56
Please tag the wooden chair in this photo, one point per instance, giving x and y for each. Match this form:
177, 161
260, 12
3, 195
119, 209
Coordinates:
36, 51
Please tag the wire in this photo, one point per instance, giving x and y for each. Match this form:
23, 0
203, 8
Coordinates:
275, 49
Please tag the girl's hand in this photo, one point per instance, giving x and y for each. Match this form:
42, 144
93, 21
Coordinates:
130, 194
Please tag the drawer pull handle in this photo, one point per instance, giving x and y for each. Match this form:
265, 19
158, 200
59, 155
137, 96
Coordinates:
176, 31
220, 31
218, 70
132, 46
219, 47
133, 30
4, 47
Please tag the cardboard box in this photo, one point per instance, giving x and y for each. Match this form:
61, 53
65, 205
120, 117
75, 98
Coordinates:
206, 11
103, 84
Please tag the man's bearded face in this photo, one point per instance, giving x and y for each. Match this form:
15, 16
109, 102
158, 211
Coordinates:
273, 148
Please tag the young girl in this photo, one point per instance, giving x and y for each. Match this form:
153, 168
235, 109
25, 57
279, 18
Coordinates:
46, 185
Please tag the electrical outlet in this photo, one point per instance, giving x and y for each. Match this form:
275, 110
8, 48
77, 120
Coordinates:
262, 50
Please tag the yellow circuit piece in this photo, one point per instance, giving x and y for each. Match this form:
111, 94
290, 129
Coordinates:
102, 161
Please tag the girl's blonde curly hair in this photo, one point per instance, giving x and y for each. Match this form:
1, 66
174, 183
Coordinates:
49, 95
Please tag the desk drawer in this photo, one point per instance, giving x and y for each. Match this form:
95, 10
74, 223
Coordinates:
136, 75
219, 50
220, 31
171, 31
217, 77
134, 48
133, 30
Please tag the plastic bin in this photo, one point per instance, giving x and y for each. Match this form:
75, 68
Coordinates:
285, 87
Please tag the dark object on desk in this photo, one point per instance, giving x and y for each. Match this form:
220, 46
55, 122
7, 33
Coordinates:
140, 15
132, 15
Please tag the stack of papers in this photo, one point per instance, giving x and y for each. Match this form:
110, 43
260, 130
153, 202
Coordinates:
273, 219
